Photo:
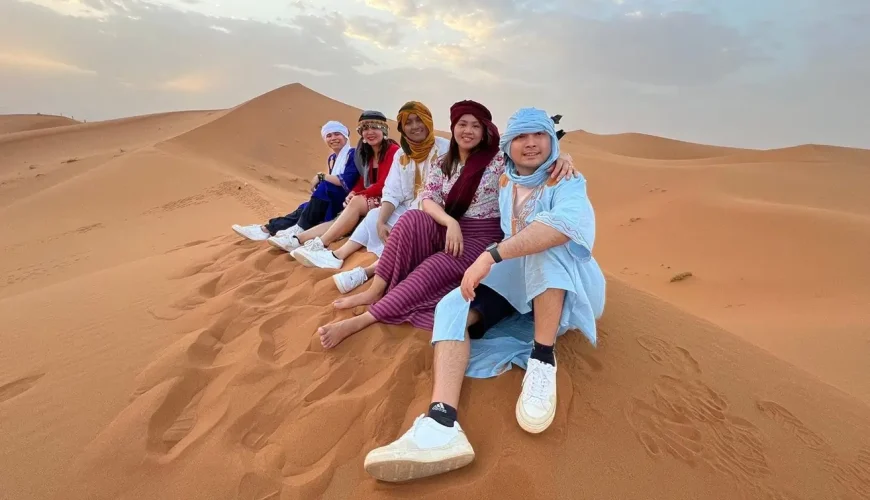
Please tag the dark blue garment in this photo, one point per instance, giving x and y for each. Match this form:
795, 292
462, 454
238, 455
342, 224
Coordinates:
336, 195
330, 200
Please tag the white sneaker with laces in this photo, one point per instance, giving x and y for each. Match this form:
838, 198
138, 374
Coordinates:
286, 242
426, 449
294, 230
312, 244
350, 280
316, 255
252, 232
536, 405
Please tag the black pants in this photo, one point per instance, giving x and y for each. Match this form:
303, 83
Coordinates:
492, 308
306, 217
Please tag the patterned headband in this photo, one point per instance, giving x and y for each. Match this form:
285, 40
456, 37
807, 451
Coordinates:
375, 124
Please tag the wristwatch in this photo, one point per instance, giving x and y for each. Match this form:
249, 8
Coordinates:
493, 250
320, 176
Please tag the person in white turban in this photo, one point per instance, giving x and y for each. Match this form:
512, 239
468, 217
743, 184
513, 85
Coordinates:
328, 190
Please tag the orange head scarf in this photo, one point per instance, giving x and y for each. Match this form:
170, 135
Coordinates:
417, 151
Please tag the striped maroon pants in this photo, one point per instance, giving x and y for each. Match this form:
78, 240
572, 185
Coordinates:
417, 270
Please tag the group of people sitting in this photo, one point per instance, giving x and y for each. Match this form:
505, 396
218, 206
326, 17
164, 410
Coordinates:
484, 239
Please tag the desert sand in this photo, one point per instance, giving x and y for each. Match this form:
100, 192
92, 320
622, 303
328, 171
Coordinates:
148, 352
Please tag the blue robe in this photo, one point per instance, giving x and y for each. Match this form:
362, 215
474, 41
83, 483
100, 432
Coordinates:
570, 267
335, 195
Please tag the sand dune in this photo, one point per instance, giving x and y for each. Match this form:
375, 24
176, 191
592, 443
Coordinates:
21, 123
646, 146
149, 353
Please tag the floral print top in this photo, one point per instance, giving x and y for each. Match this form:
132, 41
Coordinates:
485, 202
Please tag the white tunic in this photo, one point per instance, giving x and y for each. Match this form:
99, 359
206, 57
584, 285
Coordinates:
398, 191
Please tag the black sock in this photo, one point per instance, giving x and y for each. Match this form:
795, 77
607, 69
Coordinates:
544, 353
442, 413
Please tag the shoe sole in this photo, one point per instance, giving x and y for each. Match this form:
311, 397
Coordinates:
276, 245
303, 260
308, 263
533, 427
398, 470
245, 236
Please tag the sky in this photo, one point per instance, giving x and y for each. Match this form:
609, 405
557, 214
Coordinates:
748, 73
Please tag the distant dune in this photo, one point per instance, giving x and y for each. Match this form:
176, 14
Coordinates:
22, 123
148, 352
647, 146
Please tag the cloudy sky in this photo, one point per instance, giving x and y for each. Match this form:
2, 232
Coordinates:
756, 73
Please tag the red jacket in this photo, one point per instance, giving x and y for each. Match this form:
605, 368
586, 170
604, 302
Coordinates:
381, 172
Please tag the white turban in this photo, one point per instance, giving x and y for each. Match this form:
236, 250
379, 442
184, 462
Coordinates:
334, 126
342, 156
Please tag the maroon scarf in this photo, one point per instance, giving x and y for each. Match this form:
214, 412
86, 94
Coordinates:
462, 193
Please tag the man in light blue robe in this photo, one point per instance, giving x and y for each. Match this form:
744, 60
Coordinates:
514, 301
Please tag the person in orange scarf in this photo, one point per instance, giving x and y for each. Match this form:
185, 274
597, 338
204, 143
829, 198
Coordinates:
420, 149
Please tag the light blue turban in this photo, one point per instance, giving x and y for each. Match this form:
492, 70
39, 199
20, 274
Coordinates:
529, 121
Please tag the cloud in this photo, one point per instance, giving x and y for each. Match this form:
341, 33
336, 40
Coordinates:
314, 72
380, 32
35, 63
191, 82
401, 8
760, 74
77, 8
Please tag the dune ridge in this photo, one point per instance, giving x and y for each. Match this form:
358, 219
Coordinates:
150, 353
20, 123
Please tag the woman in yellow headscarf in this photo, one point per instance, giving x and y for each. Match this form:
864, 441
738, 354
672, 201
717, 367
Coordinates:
420, 149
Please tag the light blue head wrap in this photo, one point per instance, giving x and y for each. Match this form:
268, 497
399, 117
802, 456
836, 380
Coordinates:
529, 121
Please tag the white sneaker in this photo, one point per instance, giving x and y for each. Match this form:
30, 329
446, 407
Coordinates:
349, 280
536, 405
290, 231
253, 232
312, 244
317, 256
286, 242
427, 449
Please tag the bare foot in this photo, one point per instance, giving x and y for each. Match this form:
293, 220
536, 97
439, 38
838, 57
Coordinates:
365, 298
334, 333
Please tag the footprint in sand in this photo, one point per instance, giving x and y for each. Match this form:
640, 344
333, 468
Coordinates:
176, 416
16, 387
271, 348
854, 476
787, 420
254, 486
667, 354
691, 422
254, 428
578, 356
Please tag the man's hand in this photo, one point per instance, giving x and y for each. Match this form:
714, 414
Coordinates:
383, 231
563, 168
314, 182
475, 274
